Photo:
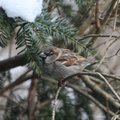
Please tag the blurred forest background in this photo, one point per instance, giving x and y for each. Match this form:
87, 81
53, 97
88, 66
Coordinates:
87, 27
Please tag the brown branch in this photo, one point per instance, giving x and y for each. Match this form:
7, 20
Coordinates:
116, 15
12, 62
101, 92
32, 99
97, 21
89, 20
17, 82
105, 53
109, 12
87, 95
97, 35
109, 85
83, 92
95, 88
94, 74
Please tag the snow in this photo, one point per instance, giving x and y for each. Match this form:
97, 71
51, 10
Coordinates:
26, 9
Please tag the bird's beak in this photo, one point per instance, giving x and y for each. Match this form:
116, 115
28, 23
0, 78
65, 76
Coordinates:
42, 55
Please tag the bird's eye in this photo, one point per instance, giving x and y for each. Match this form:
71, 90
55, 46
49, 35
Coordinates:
51, 53
48, 53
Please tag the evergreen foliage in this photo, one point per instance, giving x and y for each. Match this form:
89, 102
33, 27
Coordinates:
30, 39
7, 26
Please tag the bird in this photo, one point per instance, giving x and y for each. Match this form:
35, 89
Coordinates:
26, 9
60, 63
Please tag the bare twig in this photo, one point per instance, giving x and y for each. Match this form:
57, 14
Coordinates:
115, 117
105, 53
96, 88
32, 103
100, 91
116, 54
116, 12
20, 80
111, 88
55, 101
97, 21
87, 72
106, 18
109, 12
84, 93
98, 35
77, 88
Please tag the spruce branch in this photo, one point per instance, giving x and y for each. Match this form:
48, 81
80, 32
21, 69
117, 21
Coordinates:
7, 27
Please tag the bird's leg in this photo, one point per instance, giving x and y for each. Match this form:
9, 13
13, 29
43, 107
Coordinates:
61, 83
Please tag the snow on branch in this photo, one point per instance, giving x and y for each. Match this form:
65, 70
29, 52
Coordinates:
26, 9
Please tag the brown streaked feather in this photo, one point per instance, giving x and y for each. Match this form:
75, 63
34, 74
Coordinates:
66, 57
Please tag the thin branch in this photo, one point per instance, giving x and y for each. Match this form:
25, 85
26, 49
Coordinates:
116, 117
55, 103
111, 76
105, 53
97, 21
93, 74
32, 104
106, 18
116, 54
116, 12
109, 12
84, 93
19, 81
77, 88
111, 88
95, 88
98, 35
100, 91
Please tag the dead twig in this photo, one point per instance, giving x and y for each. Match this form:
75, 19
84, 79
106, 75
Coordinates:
111, 88
82, 92
19, 81
55, 101
32, 103
97, 21
115, 18
105, 53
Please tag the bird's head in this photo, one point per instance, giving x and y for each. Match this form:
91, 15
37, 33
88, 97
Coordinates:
51, 52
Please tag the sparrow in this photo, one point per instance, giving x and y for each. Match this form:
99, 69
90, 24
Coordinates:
60, 63
65, 56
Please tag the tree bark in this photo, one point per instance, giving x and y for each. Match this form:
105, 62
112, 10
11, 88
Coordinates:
12, 62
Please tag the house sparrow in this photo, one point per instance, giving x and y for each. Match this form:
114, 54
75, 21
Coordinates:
60, 63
